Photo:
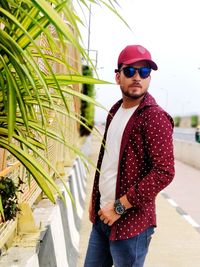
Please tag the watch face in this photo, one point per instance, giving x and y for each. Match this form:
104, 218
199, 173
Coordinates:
119, 208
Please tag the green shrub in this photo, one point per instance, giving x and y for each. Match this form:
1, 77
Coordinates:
8, 198
87, 109
194, 120
177, 121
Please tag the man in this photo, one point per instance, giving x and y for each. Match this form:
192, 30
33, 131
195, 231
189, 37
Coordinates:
136, 162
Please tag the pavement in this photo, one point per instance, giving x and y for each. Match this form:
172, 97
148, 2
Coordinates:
176, 242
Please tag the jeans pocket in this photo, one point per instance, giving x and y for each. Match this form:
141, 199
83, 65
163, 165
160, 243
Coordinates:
149, 233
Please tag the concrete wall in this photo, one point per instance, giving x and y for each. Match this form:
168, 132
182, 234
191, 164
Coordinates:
56, 244
187, 152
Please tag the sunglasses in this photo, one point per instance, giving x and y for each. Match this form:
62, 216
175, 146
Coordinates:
129, 72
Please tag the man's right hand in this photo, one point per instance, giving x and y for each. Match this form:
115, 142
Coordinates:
90, 209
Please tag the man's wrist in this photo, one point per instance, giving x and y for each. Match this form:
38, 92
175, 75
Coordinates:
119, 208
121, 205
125, 202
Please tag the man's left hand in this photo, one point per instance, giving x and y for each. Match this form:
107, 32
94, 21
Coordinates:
108, 215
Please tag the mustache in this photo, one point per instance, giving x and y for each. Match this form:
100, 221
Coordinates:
135, 84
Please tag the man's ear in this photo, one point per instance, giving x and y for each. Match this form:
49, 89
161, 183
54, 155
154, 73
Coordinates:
117, 77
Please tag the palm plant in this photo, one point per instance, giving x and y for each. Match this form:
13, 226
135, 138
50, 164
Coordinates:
31, 93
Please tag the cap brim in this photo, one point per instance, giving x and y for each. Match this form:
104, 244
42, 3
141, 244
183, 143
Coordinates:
151, 62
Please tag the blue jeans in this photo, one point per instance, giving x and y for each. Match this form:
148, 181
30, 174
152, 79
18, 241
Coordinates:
122, 253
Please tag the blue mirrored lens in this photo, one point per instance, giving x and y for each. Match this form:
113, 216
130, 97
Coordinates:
144, 72
129, 72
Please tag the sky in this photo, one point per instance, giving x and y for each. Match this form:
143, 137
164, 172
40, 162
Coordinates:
170, 31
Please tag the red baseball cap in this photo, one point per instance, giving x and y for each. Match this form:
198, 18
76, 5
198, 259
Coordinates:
134, 53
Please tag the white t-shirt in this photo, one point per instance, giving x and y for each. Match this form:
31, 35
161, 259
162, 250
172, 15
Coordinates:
109, 167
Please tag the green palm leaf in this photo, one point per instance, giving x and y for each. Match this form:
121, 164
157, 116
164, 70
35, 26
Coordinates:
33, 167
29, 93
1, 209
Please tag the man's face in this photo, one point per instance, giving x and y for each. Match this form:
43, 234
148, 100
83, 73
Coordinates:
134, 87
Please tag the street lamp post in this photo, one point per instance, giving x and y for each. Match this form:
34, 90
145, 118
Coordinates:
89, 31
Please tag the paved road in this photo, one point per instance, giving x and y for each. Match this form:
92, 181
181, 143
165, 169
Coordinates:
185, 190
187, 134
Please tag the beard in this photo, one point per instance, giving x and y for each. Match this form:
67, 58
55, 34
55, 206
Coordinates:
133, 95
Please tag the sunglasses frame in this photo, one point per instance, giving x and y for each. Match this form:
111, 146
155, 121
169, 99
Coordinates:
134, 71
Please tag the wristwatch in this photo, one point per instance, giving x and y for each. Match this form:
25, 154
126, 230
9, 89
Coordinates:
119, 208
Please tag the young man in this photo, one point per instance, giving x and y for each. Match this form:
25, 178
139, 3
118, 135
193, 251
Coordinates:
135, 166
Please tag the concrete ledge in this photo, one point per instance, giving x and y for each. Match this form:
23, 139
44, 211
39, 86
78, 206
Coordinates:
187, 152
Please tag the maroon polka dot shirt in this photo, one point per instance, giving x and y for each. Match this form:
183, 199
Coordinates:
146, 166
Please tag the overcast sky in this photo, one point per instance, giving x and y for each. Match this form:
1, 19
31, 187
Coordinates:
170, 31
